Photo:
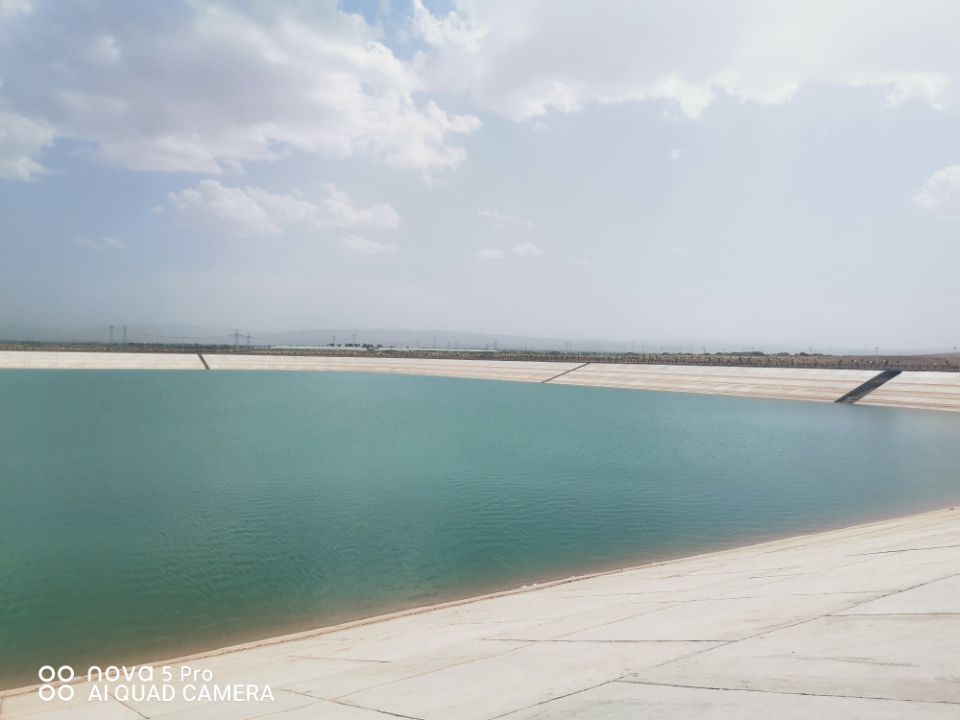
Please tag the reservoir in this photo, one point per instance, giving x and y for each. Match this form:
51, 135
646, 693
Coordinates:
147, 514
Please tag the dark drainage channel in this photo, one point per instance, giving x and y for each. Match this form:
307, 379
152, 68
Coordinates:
861, 391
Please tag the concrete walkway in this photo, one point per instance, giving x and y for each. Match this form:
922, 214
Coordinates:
856, 623
923, 390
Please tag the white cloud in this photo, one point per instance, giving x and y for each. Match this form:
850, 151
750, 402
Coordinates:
677, 153
104, 51
338, 210
247, 211
158, 209
219, 89
526, 58
20, 140
98, 244
212, 89
234, 210
11, 8
359, 245
455, 30
527, 250
500, 219
941, 193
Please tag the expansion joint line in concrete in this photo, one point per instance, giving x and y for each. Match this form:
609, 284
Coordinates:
903, 550
203, 360
686, 686
342, 698
762, 633
551, 379
127, 705
504, 716
344, 704
864, 389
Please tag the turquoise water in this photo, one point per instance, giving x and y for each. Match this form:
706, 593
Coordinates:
147, 514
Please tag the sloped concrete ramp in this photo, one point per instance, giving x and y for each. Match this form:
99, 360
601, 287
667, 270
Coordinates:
856, 623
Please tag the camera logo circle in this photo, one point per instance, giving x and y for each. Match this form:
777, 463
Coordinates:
47, 675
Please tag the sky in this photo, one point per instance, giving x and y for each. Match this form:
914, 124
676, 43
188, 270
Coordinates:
778, 175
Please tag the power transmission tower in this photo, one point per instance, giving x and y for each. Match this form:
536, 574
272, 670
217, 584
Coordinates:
248, 339
124, 334
111, 334
236, 337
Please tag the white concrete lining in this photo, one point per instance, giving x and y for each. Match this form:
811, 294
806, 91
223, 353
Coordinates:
795, 384
920, 390
54, 360
518, 370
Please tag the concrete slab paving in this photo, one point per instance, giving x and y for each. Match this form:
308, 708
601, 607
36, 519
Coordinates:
940, 597
30, 706
627, 701
691, 584
529, 675
878, 575
856, 622
326, 710
563, 627
894, 657
721, 619
293, 704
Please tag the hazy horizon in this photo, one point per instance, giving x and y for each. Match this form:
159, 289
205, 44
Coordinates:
779, 176
415, 338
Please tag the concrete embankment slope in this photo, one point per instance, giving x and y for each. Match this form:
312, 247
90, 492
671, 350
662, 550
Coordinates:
856, 623
32, 360
923, 390
822, 385
519, 370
